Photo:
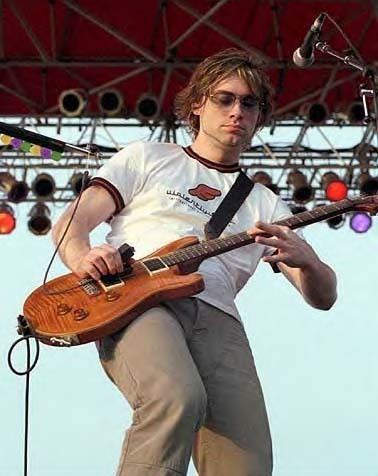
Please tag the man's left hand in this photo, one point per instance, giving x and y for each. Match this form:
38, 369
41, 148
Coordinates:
292, 249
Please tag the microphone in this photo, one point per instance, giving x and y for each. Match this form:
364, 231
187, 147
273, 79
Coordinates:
304, 55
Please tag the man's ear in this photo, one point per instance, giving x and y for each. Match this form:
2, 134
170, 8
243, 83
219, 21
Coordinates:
198, 108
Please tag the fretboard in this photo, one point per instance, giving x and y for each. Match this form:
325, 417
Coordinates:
207, 249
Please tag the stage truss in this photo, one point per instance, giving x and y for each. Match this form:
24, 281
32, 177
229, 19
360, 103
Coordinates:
268, 152
151, 48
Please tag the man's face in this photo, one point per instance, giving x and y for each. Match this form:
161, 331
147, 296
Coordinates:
228, 117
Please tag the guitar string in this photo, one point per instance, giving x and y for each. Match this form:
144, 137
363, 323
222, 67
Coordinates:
295, 220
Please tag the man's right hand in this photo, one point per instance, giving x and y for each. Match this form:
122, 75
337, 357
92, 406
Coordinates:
99, 261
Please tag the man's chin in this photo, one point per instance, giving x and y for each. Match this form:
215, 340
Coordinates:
236, 141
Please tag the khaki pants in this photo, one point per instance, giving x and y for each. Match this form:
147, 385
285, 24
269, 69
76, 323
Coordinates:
187, 371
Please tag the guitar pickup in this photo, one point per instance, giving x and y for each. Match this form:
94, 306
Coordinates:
154, 265
110, 281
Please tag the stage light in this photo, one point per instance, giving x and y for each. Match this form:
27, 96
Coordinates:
147, 108
76, 182
355, 112
43, 186
39, 222
72, 102
297, 209
360, 222
316, 113
7, 219
16, 190
335, 188
303, 192
336, 222
367, 184
110, 102
265, 179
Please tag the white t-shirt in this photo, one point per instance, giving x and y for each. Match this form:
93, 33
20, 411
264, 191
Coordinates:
164, 192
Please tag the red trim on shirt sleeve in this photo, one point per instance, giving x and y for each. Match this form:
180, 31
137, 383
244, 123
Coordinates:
109, 187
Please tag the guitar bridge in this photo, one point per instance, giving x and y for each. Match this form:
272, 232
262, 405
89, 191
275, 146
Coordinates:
90, 286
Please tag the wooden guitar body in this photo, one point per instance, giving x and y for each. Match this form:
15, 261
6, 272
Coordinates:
84, 313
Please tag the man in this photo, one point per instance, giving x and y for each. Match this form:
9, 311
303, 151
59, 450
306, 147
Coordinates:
186, 367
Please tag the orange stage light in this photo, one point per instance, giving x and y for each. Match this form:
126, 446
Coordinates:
7, 219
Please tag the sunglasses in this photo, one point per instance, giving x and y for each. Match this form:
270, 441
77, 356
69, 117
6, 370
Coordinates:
226, 100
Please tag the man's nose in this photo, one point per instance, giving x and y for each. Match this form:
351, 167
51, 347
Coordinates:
236, 108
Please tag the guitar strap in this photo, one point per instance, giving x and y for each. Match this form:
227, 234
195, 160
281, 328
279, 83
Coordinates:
229, 206
231, 203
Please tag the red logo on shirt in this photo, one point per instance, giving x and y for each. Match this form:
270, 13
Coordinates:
204, 192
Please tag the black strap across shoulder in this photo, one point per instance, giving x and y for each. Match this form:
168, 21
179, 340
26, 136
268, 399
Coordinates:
229, 206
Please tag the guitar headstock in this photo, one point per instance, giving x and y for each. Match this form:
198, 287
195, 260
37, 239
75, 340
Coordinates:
367, 204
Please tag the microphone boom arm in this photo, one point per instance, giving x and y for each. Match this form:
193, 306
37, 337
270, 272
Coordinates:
347, 59
44, 141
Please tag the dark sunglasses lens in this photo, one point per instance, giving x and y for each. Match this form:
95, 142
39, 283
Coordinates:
224, 99
249, 102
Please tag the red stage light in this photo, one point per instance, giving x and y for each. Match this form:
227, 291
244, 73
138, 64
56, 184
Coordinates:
7, 219
335, 188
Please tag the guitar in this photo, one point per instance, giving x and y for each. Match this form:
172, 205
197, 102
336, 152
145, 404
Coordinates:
67, 311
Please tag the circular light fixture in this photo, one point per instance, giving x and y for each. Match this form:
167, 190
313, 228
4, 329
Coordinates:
356, 112
335, 188
360, 222
110, 102
336, 222
39, 222
297, 209
303, 192
316, 112
265, 179
7, 219
72, 102
367, 184
76, 182
43, 186
147, 108
16, 190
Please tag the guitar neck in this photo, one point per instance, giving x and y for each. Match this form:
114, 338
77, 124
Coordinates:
210, 248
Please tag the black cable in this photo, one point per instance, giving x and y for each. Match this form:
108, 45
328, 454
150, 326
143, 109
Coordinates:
26, 372
83, 186
26, 333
